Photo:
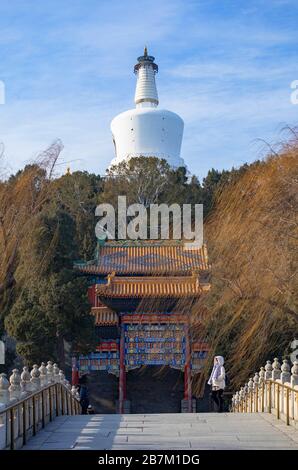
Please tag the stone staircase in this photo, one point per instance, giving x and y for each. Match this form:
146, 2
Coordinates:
166, 432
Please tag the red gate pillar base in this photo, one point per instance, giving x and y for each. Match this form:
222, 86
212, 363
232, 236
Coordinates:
124, 408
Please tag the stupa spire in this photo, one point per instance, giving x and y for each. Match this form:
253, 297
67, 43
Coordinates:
146, 92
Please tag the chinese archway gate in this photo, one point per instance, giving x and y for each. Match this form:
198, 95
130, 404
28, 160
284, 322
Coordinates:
145, 292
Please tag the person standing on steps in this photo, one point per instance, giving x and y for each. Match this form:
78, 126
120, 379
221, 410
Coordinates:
217, 382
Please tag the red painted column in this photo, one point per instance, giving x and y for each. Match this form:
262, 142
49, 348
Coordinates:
122, 373
92, 295
187, 371
74, 371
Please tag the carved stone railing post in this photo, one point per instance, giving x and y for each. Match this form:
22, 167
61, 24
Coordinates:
35, 378
285, 375
61, 380
262, 388
61, 376
276, 369
4, 393
262, 375
245, 390
25, 381
43, 375
15, 385
256, 380
56, 373
15, 395
4, 400
236, 401
50, 370
241, 395
250, 386
268, 370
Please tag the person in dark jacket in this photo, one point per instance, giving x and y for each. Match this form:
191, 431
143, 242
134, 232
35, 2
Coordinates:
84, 395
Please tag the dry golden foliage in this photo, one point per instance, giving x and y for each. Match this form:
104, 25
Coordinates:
252, 240
21, 198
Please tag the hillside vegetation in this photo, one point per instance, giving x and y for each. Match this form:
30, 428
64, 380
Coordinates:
251, 229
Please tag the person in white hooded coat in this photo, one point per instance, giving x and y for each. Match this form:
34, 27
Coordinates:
217, 382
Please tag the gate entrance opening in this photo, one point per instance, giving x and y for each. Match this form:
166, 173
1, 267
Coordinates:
155, 389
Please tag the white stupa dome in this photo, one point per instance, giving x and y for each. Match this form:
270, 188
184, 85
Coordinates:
147, 130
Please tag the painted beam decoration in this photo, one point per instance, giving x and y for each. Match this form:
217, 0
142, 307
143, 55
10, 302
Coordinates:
154, 344
105, 358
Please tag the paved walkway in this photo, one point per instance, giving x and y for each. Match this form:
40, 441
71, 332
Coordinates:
166, 431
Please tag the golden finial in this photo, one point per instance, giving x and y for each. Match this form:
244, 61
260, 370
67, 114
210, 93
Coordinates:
145, 51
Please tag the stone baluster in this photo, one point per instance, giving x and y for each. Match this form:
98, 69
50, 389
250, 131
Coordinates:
25, 381
35, 378
4, 393
285, 375
242, 397
268, 370
294, 377
262, 375
75, 392
56, 373
236, 400
256, 381
257, 385
15, 385
262, 386
61, 376
250, 385
15, 395
50, 370
276, 369
43, 375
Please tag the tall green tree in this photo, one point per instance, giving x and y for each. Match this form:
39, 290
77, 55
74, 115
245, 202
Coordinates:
52, 305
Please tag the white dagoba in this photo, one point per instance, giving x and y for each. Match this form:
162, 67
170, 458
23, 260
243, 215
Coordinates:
146, 130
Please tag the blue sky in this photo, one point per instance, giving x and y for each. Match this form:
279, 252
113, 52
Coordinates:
224, 66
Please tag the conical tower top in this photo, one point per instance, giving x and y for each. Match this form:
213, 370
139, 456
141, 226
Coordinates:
146, 92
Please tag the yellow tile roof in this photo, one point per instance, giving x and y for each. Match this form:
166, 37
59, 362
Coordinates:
175, 286
147, 259
104, 316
